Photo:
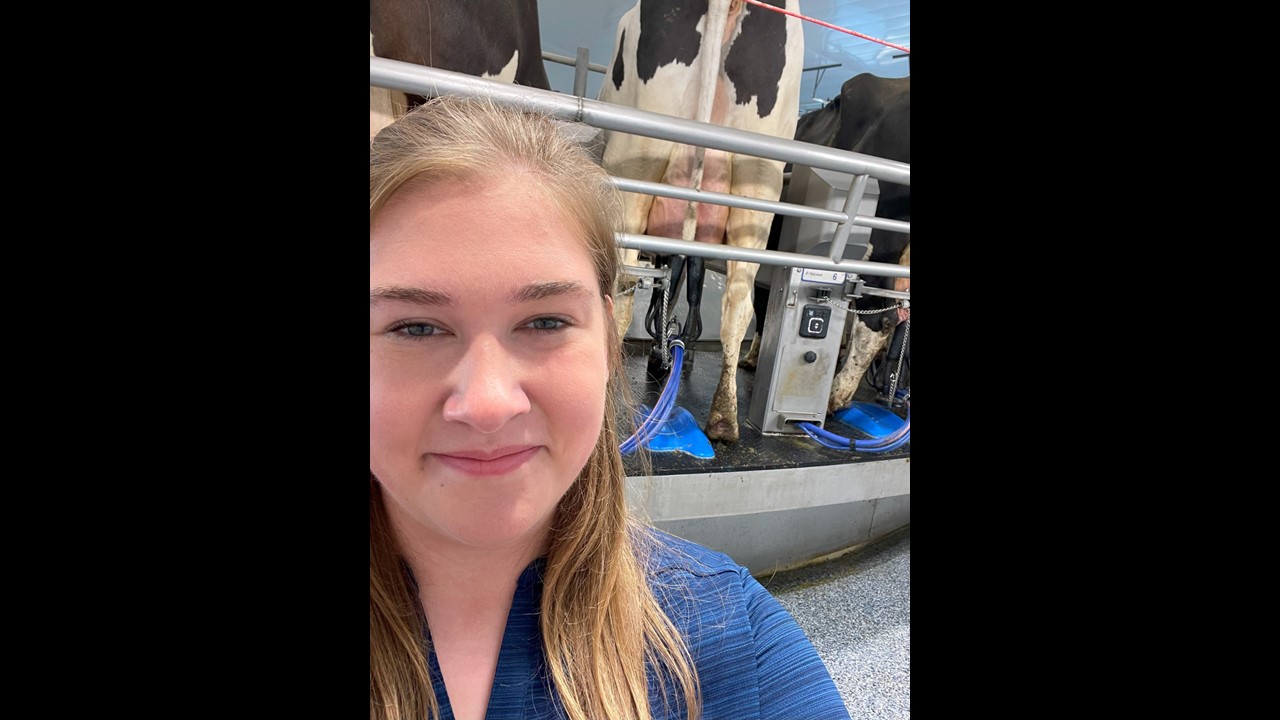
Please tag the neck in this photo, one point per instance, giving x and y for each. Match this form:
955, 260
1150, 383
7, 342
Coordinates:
469, 575
450, 573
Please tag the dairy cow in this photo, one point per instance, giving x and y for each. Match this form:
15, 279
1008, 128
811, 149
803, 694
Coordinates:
494, 39
717, 61
872, 116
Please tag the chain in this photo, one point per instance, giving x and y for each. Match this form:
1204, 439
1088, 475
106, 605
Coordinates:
893, 379
666, 314
855, 311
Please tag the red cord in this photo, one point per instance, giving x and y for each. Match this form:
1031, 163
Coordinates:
828, 25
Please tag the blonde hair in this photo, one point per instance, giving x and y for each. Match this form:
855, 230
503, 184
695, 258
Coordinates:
603, 629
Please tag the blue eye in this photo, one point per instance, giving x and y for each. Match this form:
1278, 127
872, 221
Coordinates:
416, 329
548, 324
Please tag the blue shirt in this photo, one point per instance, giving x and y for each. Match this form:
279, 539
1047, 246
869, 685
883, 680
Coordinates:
752, 659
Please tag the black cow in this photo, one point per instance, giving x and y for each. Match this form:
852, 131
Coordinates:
872, 116
496, 39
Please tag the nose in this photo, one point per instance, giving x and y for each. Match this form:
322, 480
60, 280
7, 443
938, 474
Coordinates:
487, 389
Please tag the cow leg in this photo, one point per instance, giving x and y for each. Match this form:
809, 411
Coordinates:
624, 296
752, 358
864, 343
722, 423
749, 177
904, 284
746, 229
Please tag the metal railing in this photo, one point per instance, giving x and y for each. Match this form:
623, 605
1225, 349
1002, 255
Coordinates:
584, 60
427, 81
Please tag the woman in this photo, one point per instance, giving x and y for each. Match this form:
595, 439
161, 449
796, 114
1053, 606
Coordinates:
507, 578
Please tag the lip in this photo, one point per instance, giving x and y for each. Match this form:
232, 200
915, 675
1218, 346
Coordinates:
487, 463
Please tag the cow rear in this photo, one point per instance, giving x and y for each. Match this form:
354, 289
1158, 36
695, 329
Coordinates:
663, 52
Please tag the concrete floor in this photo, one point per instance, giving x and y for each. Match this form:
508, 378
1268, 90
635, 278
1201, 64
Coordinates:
856, 610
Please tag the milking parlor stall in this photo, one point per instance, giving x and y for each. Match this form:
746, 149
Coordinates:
817, 377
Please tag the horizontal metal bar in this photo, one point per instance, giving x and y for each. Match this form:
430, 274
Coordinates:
880, 223
739, 201
879, 292
669, 246
422, 80
641, 271
566, 60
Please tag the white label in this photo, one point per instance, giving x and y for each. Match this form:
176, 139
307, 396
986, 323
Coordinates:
831, 277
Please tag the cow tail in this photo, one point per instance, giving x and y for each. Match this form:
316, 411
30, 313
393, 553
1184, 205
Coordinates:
710, 54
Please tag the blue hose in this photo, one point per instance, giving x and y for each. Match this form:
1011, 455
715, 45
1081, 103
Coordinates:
892, 441
663, 407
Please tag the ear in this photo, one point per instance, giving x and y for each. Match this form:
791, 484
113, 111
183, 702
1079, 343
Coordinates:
608, 304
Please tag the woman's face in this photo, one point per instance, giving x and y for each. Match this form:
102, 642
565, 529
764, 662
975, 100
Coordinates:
487, 361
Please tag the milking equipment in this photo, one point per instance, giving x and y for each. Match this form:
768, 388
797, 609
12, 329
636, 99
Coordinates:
805, 318
667, 426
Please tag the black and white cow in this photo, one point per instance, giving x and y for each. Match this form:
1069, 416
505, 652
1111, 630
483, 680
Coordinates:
872, 116
495, 39
718, 61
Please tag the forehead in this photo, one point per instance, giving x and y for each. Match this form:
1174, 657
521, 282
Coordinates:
479, 232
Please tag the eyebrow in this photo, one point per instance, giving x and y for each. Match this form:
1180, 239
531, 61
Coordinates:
539, 291
528, 293
417, 296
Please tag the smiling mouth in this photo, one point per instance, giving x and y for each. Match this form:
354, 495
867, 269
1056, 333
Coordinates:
479, 465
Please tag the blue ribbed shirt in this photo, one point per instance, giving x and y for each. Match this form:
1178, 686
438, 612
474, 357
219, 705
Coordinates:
752, 659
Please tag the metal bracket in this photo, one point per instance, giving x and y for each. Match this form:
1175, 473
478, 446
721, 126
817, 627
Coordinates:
650, 276
853, 286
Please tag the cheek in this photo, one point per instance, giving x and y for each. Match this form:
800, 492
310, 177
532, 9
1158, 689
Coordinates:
576, 400
396, 415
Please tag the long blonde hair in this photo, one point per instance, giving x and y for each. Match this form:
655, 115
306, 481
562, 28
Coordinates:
603, 630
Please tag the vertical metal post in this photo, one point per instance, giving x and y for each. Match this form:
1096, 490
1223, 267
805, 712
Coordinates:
580, 73
851, 204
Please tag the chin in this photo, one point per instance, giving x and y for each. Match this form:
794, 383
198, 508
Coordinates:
495, 532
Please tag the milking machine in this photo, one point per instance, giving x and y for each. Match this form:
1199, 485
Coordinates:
805, 321
666, 427
799, 349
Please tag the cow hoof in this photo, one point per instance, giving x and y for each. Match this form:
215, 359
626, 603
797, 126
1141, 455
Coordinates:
722, 429
748, 363
839, 403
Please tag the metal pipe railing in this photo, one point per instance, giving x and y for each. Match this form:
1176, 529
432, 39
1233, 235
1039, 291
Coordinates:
422, 80
674, 246
727, 199
566, 60
597, 67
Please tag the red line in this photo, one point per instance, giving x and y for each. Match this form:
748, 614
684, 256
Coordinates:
828, 25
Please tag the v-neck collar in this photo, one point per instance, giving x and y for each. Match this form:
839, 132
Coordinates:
520, 683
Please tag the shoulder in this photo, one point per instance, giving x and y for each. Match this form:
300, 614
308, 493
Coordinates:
753, 659
704, 592
666, 554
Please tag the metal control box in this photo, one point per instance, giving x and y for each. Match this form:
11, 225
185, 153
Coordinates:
799, 349
827, 189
